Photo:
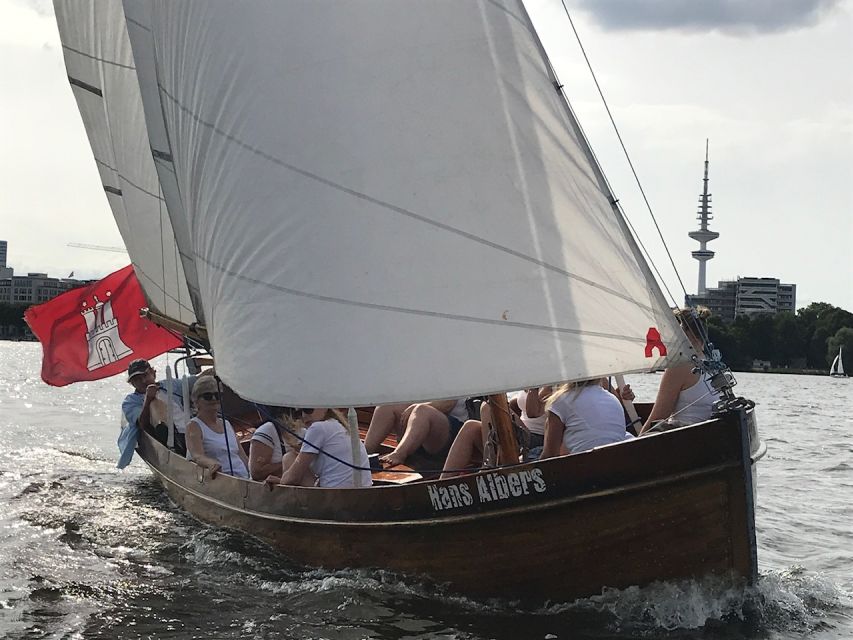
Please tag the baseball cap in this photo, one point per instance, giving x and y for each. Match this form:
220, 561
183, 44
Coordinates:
137, 367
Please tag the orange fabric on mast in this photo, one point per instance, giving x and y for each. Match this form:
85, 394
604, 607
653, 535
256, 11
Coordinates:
93, 332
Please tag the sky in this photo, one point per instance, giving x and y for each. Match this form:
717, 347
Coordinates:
769, 82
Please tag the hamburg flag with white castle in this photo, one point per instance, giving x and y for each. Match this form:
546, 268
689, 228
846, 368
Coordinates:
93, 332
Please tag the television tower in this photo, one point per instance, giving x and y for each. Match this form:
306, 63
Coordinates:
703, 235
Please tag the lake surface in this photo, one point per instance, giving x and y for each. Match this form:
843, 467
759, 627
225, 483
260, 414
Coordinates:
87, 551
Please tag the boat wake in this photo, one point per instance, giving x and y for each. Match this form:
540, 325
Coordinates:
791, 600
128, 555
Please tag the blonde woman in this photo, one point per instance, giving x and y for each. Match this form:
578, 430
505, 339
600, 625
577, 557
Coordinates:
581, 416
211, 443
684, 397
326, 455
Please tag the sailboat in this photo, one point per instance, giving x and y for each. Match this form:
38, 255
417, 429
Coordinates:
352, 204
837, 368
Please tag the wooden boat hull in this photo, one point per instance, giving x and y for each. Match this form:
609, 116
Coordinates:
674, 505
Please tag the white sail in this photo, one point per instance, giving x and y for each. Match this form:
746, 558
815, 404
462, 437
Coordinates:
388, 201
837, 368
101, 70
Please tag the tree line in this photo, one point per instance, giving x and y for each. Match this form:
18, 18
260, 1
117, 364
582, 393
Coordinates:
12, 315
808, 340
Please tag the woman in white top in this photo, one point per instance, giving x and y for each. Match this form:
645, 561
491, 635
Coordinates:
327, 432
582, 416
270, 443
211, 443
684, 397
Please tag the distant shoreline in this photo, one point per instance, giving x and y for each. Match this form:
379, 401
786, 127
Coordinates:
782, 370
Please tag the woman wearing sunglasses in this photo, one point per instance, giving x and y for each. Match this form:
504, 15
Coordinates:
207, 434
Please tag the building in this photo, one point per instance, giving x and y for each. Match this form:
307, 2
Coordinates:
33, 288
747, 296
5, 271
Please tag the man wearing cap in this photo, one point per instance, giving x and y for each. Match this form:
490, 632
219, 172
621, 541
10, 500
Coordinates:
145, 409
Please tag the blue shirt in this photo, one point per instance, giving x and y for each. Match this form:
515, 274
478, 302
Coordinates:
131, 409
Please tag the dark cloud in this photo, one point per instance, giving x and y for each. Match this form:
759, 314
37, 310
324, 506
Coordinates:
738, 17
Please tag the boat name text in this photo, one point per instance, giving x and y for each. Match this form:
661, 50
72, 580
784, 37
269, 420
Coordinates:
490, 487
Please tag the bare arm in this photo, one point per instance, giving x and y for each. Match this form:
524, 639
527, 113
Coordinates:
299, 473
554, 428
242, 453
671, 384
260, 461
534, 405
195, 445
144, 418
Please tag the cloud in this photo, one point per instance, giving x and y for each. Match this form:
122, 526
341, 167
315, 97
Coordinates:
43, 8
736, 17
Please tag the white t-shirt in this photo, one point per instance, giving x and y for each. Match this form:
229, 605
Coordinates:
592, 417
534, 425
459, 410
331, 436
267, 434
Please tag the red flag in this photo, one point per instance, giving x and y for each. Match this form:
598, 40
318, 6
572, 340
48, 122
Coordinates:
95, 331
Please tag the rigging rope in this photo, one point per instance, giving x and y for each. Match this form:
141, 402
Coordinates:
630, 163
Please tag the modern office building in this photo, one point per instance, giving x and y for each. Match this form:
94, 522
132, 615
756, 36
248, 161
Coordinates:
748, 296
33, 288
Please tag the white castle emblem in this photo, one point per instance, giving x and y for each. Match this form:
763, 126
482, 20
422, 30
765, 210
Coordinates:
105, 344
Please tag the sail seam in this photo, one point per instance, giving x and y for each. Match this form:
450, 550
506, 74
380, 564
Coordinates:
166, 294
417, 312
400, 210
97, 59
124, 178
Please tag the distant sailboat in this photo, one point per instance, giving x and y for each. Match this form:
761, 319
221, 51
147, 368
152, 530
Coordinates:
837, 368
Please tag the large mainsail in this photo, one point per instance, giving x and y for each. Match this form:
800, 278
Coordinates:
101, 70
388, 201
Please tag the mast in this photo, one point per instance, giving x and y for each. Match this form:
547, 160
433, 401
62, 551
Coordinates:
703, 235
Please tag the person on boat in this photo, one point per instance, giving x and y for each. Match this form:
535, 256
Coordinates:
211, 442
326, 456
582, 416
145, 409
471, 441
684, 397
269, 444
427, 427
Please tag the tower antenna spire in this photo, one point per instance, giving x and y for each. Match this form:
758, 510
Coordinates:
703, 235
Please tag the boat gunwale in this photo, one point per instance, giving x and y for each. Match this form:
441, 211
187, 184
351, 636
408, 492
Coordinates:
459, 518
555, 468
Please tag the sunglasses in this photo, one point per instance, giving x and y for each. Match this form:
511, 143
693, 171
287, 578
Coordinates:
298, 413
209, 396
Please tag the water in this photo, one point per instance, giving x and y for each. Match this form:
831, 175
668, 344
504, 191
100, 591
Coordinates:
87, 551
